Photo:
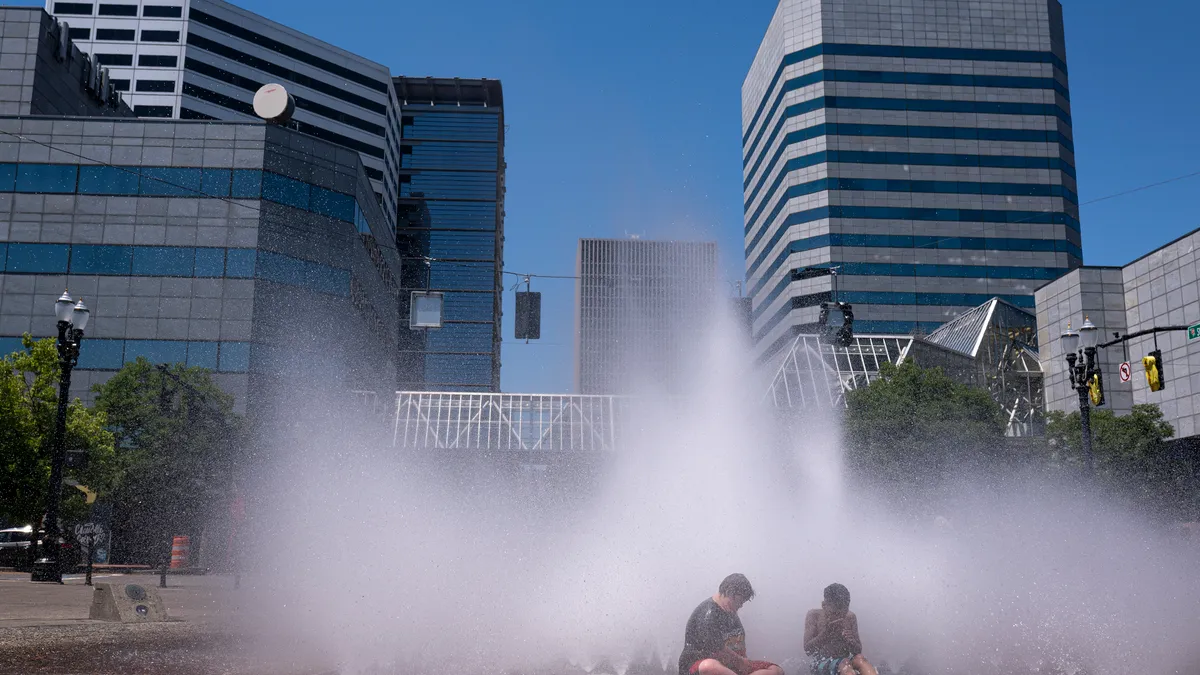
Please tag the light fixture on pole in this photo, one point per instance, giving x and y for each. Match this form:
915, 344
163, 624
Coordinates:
1080, 348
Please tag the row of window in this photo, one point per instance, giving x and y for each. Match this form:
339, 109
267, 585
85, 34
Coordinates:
111, 354
905, 213
291, 271
890, 298
144, 60
898, 51
909, 105
449, 215
178, 182
164, 111
917, 186
114, 260
460, 155
911, 159
148, 11
904, 131
458, 368
883, 77
462, 338
451, 126
127, 35
479, 185
231, 103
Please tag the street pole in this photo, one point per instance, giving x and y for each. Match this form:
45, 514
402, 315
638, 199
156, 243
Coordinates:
1085, 418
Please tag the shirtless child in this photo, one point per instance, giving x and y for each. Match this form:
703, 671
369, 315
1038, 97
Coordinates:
831, 636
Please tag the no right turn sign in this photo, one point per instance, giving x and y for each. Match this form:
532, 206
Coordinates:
1126, 372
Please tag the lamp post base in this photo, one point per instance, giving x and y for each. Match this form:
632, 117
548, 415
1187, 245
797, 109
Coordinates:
46, 570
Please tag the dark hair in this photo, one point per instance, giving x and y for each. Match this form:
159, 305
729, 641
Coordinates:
736, 584
837, 594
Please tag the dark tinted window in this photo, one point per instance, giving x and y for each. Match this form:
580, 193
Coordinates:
112, 260
158, 61
119, 34
166, 11
117, 10
215, 182
50, 178
74, 8
210, 262
80, 33
235, 357
101, 354
156, 86
202, 355
107, 180
285, 190
37, 258
8, 177
160, 36
247, 184
170, 181
152, 110
114, 59
239, 262
120, 85
165, 261
156, 351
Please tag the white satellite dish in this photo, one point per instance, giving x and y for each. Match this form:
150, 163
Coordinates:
274, 104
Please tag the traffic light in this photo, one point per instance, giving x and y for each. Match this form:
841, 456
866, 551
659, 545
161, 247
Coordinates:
1154, 370
1096, 390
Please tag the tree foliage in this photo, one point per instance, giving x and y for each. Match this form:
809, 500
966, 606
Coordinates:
178, 437
29, 381
912, 425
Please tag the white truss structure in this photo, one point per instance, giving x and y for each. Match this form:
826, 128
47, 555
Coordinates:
542, 423
814, 373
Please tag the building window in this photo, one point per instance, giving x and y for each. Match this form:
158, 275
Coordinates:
158, 61
73, 8
114, 59
80, 33
162, 11
120, 85
156, 86
153, 110
46, 178
38, 258
160, 36
115, 34
118, 10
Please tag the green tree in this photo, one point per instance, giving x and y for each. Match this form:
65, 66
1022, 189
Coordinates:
178, 438
1131, 456
913, 425
28, 411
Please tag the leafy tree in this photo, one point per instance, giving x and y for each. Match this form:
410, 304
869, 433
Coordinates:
913, 425
1131, 455
28, 414
177, 436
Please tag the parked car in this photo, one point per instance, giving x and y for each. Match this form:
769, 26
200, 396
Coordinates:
14, 547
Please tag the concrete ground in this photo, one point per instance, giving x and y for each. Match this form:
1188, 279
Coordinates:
45, 630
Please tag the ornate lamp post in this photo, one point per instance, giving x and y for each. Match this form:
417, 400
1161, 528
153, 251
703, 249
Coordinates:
72, 319
1080, 349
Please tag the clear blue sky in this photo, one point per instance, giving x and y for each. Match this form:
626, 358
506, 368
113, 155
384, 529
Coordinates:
624, 117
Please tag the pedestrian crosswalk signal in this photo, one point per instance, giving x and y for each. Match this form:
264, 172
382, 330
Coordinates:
1154, 370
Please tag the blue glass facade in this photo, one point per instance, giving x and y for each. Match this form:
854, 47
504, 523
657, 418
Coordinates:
450, 226
931, 177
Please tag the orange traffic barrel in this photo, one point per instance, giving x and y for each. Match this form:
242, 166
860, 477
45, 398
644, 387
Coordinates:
180, 547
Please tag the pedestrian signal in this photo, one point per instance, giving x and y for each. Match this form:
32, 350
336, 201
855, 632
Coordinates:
1096, 390
1154, 370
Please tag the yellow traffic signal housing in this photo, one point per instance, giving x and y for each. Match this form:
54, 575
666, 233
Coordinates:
1096, 390
1153, 365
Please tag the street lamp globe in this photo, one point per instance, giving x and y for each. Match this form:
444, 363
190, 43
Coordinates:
1089, 335
1070, 341
63, 307
80, 316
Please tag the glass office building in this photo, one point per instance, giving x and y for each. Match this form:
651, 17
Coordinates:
922, 148
450, 229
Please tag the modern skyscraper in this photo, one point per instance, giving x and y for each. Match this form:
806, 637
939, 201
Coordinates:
450, 229
205, 59
640, 306
921, 147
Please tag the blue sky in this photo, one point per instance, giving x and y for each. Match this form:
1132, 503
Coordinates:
624, 118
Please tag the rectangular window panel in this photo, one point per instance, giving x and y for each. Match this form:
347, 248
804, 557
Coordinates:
215, 182
112, 260
202, 355
332, 204
9, 345
160, 36
210, 262
80, 33
462, 276
239, 263
458, 368
284, 269
108, 180
3, 255
156, 351
284, 190
73, 8
117, 10
120, 85
101, 354
158, 60
156, 86
37, 258
170, 182
115, 35
46, 178
457, 245
461, 337
468, 307
162, 11
247, 184
153, 110
163, 261
8, 177
114, 59
235, 357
